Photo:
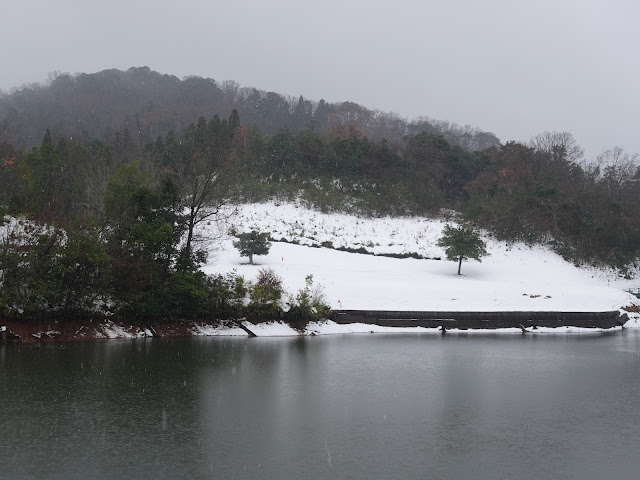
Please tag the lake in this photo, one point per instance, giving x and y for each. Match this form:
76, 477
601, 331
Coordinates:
383, 406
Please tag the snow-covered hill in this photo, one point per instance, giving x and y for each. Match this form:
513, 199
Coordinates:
513, 277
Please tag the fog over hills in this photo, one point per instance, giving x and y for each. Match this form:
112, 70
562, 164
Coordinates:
151, 103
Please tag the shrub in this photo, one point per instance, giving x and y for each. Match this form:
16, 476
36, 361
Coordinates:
227, 294
310, 304
266, 296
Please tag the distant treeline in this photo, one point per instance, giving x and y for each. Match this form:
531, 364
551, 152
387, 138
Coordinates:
149, 104
541, 192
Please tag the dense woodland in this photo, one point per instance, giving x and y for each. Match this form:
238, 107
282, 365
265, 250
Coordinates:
116, 170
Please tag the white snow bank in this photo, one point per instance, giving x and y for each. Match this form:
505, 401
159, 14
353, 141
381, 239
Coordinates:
217, 331
111, 330
331, 328
271, 329
634, 320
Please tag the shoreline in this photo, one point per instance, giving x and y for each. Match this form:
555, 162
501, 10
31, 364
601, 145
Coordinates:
342, 322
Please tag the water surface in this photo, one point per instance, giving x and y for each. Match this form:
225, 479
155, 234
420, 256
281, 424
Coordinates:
350, 406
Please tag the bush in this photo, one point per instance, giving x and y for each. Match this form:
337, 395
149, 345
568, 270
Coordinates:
266, 296
227, 295
46, 271
310, 304
187, 295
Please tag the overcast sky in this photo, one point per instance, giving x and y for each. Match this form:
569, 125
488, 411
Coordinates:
512, 67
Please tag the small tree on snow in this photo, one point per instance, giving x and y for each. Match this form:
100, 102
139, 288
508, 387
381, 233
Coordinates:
252, 243
462, 242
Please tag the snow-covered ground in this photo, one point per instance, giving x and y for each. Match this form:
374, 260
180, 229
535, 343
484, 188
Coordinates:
513, 278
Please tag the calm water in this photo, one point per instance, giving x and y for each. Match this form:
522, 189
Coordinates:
356, 407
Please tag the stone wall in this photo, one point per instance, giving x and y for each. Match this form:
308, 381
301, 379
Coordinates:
483, 320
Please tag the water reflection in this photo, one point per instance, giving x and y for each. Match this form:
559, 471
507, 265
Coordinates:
359, 406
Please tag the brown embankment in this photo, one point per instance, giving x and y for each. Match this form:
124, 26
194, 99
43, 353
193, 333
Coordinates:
26, 331
82, 329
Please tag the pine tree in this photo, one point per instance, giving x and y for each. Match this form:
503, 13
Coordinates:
462, 242
252, 243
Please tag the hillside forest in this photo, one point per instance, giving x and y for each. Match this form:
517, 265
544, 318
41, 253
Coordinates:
105, 178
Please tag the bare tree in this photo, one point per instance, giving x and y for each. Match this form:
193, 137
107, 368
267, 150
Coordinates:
560, 145
207, 175
204, 193
616, 168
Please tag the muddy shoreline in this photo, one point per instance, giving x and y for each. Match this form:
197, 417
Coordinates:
76, 330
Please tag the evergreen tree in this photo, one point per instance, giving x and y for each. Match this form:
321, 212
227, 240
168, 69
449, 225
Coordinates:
234, 122
253, 243
142, 238
462, 242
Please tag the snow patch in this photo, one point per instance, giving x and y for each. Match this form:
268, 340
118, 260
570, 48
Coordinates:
332, 328
515, 277
217, 331
111, 330
49, 334
634, 320
271, 329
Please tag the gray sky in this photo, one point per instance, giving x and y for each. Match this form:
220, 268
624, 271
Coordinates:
512, 67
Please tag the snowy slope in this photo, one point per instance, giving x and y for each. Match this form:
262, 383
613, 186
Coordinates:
513, 277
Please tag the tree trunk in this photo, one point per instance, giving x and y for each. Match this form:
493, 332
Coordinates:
460, 264
251, 259
190, 229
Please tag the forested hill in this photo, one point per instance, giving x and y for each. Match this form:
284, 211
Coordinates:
151, 104
103, 208
63, 144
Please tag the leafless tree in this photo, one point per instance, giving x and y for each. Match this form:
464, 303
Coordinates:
559, 145
617, 168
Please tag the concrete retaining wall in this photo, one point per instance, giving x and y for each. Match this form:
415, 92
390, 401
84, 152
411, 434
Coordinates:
485, 320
